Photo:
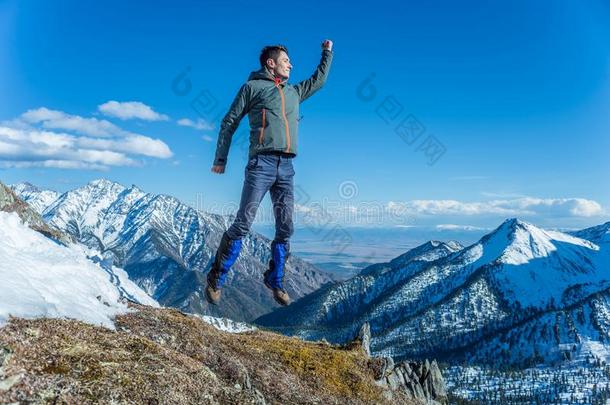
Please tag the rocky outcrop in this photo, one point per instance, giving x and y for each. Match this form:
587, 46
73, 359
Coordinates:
364, 337
10, 202
6, 382
420, 381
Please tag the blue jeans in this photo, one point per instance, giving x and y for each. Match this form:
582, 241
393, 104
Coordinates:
264, 173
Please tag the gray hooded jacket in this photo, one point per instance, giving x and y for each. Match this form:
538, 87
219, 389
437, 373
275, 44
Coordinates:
273, 111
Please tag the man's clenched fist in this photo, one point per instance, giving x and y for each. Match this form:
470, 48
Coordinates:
327, 44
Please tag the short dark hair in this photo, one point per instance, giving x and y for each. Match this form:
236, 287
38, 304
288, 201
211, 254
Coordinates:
271, 51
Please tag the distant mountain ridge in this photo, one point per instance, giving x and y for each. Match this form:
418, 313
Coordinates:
36, 197
519, 295
596, 234
10, 202
166, 246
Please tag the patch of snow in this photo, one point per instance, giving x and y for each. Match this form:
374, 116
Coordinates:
227, 325
41, 278
127, 288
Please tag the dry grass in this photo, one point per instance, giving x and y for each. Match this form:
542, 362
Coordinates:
163, 356
335, 371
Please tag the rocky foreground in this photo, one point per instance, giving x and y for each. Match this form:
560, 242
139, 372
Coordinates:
164, 356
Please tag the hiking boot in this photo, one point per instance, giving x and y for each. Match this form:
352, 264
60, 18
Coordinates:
226, 255
274, 276
279, 294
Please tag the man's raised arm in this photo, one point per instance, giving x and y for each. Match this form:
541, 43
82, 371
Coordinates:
307, 87
230, 122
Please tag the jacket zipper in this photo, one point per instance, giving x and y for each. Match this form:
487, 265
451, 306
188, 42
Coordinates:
262, 134
285, 119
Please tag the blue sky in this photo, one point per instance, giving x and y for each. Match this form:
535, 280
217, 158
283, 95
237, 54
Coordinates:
517, 94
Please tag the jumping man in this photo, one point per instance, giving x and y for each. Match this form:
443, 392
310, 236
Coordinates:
272, 106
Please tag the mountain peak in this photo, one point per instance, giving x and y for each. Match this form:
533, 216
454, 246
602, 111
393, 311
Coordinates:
25, 185
36, 197
451, 245
511, 227
432, 244
428, 251
103, 183
516, 222
517, 242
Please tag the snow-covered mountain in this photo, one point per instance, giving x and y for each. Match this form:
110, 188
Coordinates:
335, 312
520, 295
35, 197
42, 278
599, 234
166, 247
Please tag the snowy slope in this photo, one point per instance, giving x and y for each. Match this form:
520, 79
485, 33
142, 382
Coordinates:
536, 268
166, 247
501, 291
41, 278
516, 273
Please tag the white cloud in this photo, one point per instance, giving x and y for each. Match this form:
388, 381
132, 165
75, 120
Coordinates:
129, 110
199, 124
525, 206
40, 146
404, 213
585, 208
453, 227
304, 209
207, 138
53, 119
58, 164
133, 143
94, 144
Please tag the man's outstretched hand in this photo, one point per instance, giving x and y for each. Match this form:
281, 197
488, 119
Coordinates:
218, 169
327, 44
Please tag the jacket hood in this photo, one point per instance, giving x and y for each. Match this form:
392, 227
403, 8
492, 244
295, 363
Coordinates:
262, 74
